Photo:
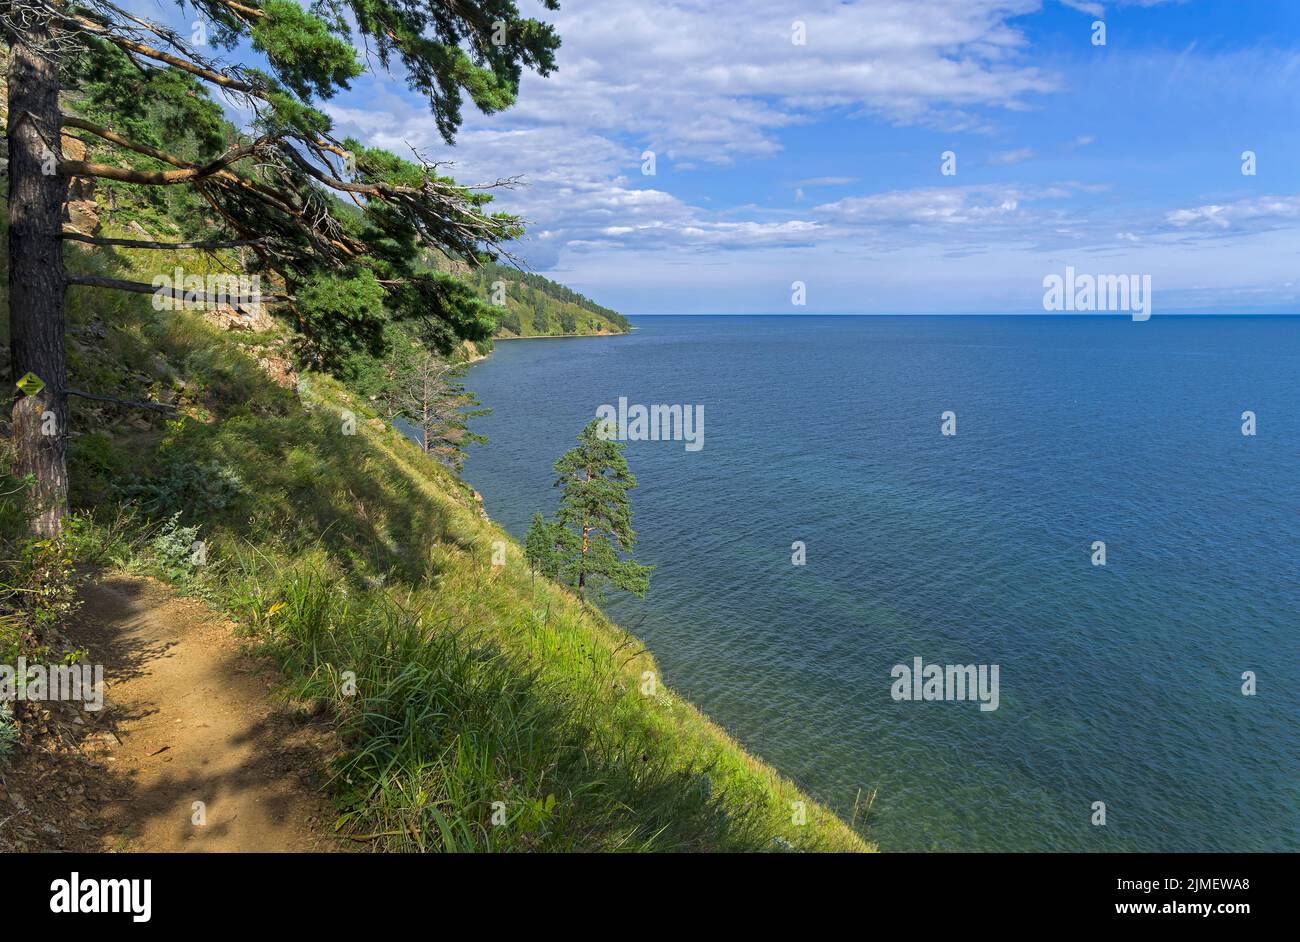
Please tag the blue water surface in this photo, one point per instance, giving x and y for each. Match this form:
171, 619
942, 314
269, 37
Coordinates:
1120, 684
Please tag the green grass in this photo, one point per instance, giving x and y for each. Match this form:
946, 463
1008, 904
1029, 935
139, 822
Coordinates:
480, 709
473, 685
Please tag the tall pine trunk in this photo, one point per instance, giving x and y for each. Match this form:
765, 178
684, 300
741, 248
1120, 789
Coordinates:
37, 281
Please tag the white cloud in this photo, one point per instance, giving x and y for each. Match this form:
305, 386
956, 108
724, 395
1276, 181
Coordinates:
703, 83
1090, 7
1007, 157
1263, 212
1098, 9
828, 181
715, 82
712, 88
940, 208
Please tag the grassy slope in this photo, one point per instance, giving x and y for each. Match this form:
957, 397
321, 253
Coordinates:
355, 553
586, 323
560, 308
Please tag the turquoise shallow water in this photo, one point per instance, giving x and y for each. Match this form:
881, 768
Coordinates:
1119, 684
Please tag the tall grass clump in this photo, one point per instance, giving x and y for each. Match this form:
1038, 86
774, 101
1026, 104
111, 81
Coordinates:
457, 744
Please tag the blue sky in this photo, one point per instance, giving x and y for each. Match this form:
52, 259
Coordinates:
820, 162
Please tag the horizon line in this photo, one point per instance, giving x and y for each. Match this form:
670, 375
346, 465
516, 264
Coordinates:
1048, 314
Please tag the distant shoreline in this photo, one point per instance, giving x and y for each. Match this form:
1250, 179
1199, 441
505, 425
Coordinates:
563, 336
471, 359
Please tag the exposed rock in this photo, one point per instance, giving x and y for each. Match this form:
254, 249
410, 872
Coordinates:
81, 212
478, 505
280, 370
252, 318
162, 369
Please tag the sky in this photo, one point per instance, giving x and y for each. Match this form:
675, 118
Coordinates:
822, 162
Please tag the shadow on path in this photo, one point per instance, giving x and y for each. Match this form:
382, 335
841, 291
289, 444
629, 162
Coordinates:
209, 760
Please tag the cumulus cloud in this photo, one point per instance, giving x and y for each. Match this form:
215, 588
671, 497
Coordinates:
704, 84
715, 82
717, 93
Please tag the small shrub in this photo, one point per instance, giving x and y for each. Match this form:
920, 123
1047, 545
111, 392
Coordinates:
112, 539
38, 597
8, 730
183, 485
172, 550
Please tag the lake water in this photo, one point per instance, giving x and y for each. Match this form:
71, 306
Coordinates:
1119, 683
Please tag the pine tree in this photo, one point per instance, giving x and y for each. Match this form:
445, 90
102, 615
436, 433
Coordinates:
541, 546
276, 191
596, 516
426, 391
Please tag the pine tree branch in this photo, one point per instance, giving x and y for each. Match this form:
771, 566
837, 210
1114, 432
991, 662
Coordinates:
434, 207
241, 8
259, 246
185, 172
155, 406
324, 241
113, 137
173, 292
75, 236
104, 31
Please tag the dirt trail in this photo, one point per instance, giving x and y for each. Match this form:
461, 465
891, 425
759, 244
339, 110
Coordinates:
192, 720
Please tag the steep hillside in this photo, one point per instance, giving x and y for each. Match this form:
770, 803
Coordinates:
477, 707
481, 708
535, 306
